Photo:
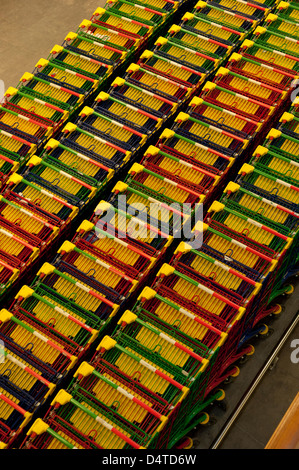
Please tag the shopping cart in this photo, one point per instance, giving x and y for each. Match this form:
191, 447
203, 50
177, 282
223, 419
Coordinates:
43, 203
111, 130
194, 153
111, 219
78, 63
52, 93
31, 107
279, 42
101, 44
215, 137
155, 83
236, 102
47, 176
51, 434
220, 117
149, 102
288, 11
277, 23
36, 347
94, 271
211, 29
267, 74
128, 115
200, 182
76, 164
64, 77
13, 420
282, 144
290, 125
266, 185
264, 54
123, 24
150, 209
254, 11
187, 57
227, 19
94, 147
137, 11
98, 425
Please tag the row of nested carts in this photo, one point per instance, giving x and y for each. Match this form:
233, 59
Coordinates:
147, 305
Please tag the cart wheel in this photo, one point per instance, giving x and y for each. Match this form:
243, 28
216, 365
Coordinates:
222, 395
206, 418
185, 443
277, 310
237, 372
264, 331
289, 290
251, 350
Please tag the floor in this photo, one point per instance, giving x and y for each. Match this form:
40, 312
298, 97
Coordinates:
28, 33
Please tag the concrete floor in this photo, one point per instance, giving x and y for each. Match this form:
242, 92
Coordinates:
28, 32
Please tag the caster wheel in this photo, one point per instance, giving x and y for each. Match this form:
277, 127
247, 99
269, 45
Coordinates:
251, 350
264, 330
236, 372
289, 290
221, 395
277, 310
185, 443
206, 418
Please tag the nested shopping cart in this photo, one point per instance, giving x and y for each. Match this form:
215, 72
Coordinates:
199, 42
264, 54
288, 11
103, 275
126, 114
213, 136
199, 180
123, 24
138, 97
290, 126
46, 176
222, 118
99, 426
53, 94
213, 31
113, 131
44, 204
254, 11
185, 56
236, 102
156, 62
102, 44
50, 433
193, 153
277, 23
151, 209
37, 347
255, 89
13, 419
138, 11
14, 149
117, 223
129, 258
280, 42
236, 22
42, 112
155, 83
162, 182
282, 143
65, 77
76, 295
66, 328
267, 213
25, 224
267, 74
76, 164
78, 63
94, 147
